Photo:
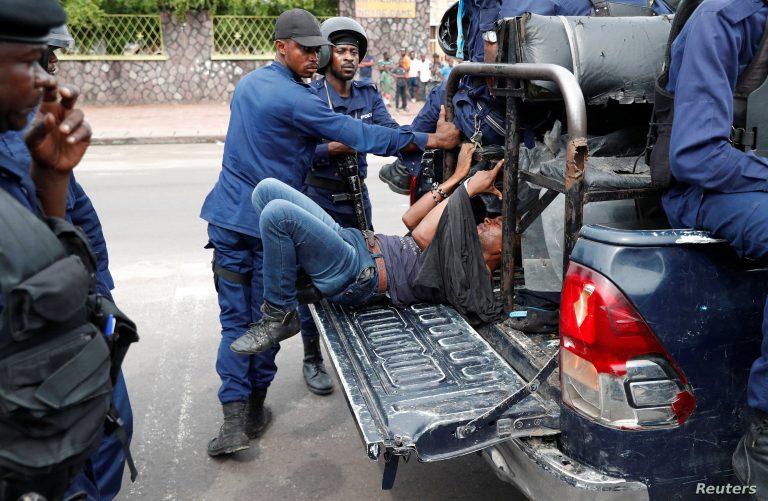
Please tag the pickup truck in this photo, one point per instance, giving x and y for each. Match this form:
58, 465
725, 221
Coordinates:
638, 395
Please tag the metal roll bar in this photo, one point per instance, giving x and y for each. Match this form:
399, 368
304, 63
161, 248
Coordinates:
576, 152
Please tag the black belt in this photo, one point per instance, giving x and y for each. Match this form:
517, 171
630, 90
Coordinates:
328, 184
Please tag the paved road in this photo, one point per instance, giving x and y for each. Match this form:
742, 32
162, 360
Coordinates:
149, 198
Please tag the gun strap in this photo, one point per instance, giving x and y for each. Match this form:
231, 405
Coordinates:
328, 184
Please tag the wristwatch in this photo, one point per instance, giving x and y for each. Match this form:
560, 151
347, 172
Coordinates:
490, 36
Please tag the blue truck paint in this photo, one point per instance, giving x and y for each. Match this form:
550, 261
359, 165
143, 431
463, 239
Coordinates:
705, 306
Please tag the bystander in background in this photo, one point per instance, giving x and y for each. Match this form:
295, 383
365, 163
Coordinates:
401, 83
446, 67
435, 75
385, 66
366, 69
424, 71
413, 75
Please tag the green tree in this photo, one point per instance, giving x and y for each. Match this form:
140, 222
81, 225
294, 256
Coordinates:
88, 11
84, 12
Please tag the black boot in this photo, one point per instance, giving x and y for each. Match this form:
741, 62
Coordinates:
750, 461
398, 178
232, 436
274, 326
318, 381
257, 415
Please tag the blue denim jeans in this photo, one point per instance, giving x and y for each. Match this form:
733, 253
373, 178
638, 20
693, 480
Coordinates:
296, 232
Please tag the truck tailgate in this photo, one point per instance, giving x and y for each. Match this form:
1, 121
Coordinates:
413, 376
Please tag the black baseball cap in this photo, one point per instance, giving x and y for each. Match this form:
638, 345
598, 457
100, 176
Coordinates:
301, 27
29, 21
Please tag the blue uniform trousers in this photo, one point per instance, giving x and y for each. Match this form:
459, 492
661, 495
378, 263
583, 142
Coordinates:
239, 306
741, 219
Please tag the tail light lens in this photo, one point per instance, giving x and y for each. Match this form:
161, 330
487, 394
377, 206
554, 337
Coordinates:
613, 369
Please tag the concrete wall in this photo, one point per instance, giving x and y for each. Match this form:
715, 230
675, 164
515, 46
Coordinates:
189, 75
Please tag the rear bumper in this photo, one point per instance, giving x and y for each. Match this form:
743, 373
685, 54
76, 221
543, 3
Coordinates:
539, 470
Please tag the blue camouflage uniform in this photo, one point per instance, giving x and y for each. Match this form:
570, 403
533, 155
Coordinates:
102, 476
483, 15
473, 101
470, 104
718, 187
364, 103
275, 125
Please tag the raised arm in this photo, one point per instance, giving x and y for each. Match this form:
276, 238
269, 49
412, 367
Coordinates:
315, 119
426, 220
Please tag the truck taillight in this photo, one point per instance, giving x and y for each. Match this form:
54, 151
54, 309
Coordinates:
613, 369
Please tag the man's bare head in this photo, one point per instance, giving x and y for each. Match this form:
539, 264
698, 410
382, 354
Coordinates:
490, 233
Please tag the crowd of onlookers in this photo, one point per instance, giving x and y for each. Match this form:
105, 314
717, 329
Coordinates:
408, 77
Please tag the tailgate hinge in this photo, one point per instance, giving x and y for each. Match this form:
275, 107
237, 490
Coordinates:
491, 415
391, 460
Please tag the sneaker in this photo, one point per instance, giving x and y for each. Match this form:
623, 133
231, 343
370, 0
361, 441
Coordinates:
397, 177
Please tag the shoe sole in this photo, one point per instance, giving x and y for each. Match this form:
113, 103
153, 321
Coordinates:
229, 450
393, 186
320, 392
250, 352
263, 349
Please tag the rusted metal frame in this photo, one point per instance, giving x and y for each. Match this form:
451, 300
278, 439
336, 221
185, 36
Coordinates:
544, 181
535, 211
510, 179
576, 150
575, 108
575, 161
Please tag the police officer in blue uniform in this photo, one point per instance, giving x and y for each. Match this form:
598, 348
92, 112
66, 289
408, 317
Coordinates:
59, 141
360, 100
475, 109
717, 186
342, 94
275, 124
483, 15
101, 479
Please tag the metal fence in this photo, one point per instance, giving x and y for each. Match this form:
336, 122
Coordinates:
118, 36
244, 37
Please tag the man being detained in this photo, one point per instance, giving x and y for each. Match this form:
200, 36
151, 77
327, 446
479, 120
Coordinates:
355, 268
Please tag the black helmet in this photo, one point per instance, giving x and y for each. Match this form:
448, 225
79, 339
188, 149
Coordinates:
335, 27
60, 37
448, 30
